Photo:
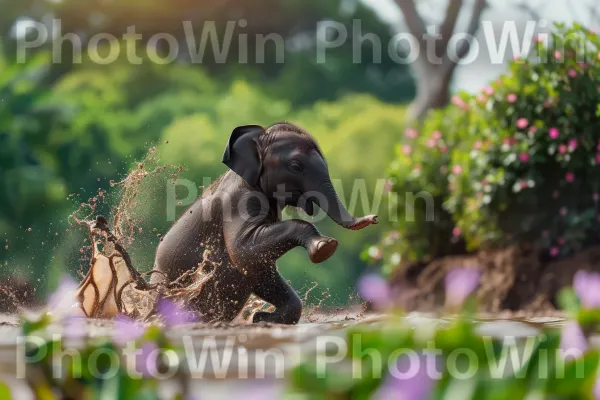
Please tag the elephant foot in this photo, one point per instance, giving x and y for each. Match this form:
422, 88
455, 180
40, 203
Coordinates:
321, 248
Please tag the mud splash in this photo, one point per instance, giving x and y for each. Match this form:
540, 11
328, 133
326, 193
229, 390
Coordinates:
112, 285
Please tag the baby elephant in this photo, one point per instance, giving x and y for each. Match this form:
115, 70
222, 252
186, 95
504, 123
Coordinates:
238, 219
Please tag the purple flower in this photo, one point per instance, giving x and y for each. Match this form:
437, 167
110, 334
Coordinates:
126, 330
587, 287
409, 379
460, 283
75, 327
145, 360
174, 314
596, 389
63, 301
376, 290
572, 340
260, 389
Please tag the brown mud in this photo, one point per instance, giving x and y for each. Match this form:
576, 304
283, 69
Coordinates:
515, 281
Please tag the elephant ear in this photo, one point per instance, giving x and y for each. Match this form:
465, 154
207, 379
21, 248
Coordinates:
242, 154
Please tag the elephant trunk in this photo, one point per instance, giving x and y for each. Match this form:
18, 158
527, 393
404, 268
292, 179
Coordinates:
337, 212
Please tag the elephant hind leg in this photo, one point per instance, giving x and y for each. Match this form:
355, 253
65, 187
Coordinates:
274, 289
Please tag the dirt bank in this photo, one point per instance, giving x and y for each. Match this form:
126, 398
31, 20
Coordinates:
514, 279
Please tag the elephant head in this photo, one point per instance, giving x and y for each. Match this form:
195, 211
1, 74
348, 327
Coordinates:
285, 163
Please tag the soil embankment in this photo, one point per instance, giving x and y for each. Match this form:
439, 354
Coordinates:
514, 279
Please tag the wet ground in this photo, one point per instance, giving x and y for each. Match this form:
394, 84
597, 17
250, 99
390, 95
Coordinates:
261, 356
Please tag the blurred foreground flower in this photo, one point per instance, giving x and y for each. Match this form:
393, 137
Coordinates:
75, 327
587, 287
146, 359
460, 283
572, 340
63, 301
408, 380
126, 330
174, 314
375, 289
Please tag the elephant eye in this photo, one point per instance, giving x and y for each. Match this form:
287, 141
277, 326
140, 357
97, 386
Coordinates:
295, 166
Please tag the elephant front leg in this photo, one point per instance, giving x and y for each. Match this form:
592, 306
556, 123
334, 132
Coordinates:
274, 240
274, 289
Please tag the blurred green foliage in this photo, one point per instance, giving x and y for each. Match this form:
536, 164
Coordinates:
69, 128
106, 118
517, 162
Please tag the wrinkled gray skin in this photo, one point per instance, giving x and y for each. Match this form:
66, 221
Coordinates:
239, 220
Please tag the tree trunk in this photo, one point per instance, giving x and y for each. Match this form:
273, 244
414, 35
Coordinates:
433, 79
433, 92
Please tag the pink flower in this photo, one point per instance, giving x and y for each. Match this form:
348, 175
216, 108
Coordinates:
524, 157
533, 129
570, 177
572, 340
488, 90
75, 327
373, 288
459, 102
587, 288
457, 170
437, 135
375, 253
460, 283
411, 133
557, 55
481, 99
561, 241
477, 145
419, 384
572, 73
62, 302
523, 184
562, 149
555, 194
511, 98
554, 133
146, 359
554, 251
388, 186
596, 196
563, 211
174, 314
597, 158
126, 330
522, 123
431, 143
456, 231
573, 144
406, 149
444, 149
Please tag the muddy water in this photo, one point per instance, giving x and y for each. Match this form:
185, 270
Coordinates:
249, 368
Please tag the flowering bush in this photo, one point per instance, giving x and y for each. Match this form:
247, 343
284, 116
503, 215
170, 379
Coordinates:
518, 161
